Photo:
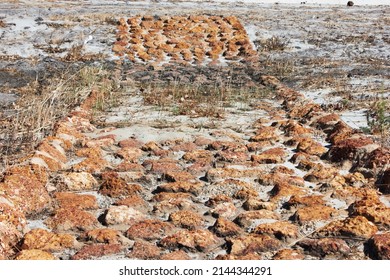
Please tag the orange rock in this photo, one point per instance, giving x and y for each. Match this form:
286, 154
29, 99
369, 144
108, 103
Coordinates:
125, 215
25, 190
314, 213
176, 255
72, 200
102, 235
76, 181
65, 219
248, 219
195, 240
186, 219
94, 251
371, 208
357, 226
225, 228
10, 235
288, 254
134, 201
34, 255
252, 243
47, 241
150, 230
273, 155
325, 246
144, 251
285, 190
379, 246
191, 187
281, 230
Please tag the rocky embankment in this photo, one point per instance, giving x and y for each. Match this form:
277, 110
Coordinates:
295, 183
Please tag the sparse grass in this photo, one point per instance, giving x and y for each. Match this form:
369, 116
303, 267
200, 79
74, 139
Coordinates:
378, 120
271, 44
34, 115
199, 100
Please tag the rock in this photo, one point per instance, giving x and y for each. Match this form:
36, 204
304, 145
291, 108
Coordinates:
72, 200
195, 240
130, 143
11, 214
215, 200
350, 149
246, 193
34, 254
228, 146
249, 219
171, 202
253, 203
99, 143
293, 128
186, 219
216, 174
357, 226
134, 201
103, 235
325, 247
9, 237
281, 230
284, 191
265, 133
327, 122
249, 256
252, 243
76, 181
66, 219
117, 215
314, 213
130, 154
47, 241
288, 254
372, 209
299, 201
25, 190
144, 251
94, 251
321, 174
185, 147
191, 187
224, 228
379, 246
384, 185
115, 186
129, 167
349, 3
150, 230
93, 163
176, 255
224, 210
378, 158
179, 176
230, 156
273, 155
311, 147
340, 132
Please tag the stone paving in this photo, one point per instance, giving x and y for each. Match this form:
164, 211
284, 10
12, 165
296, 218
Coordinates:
283, 179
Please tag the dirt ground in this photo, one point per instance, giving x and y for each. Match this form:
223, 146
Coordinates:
252, 131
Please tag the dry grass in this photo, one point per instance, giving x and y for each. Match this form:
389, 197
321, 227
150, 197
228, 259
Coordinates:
199, 100
34, 115
271, 44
